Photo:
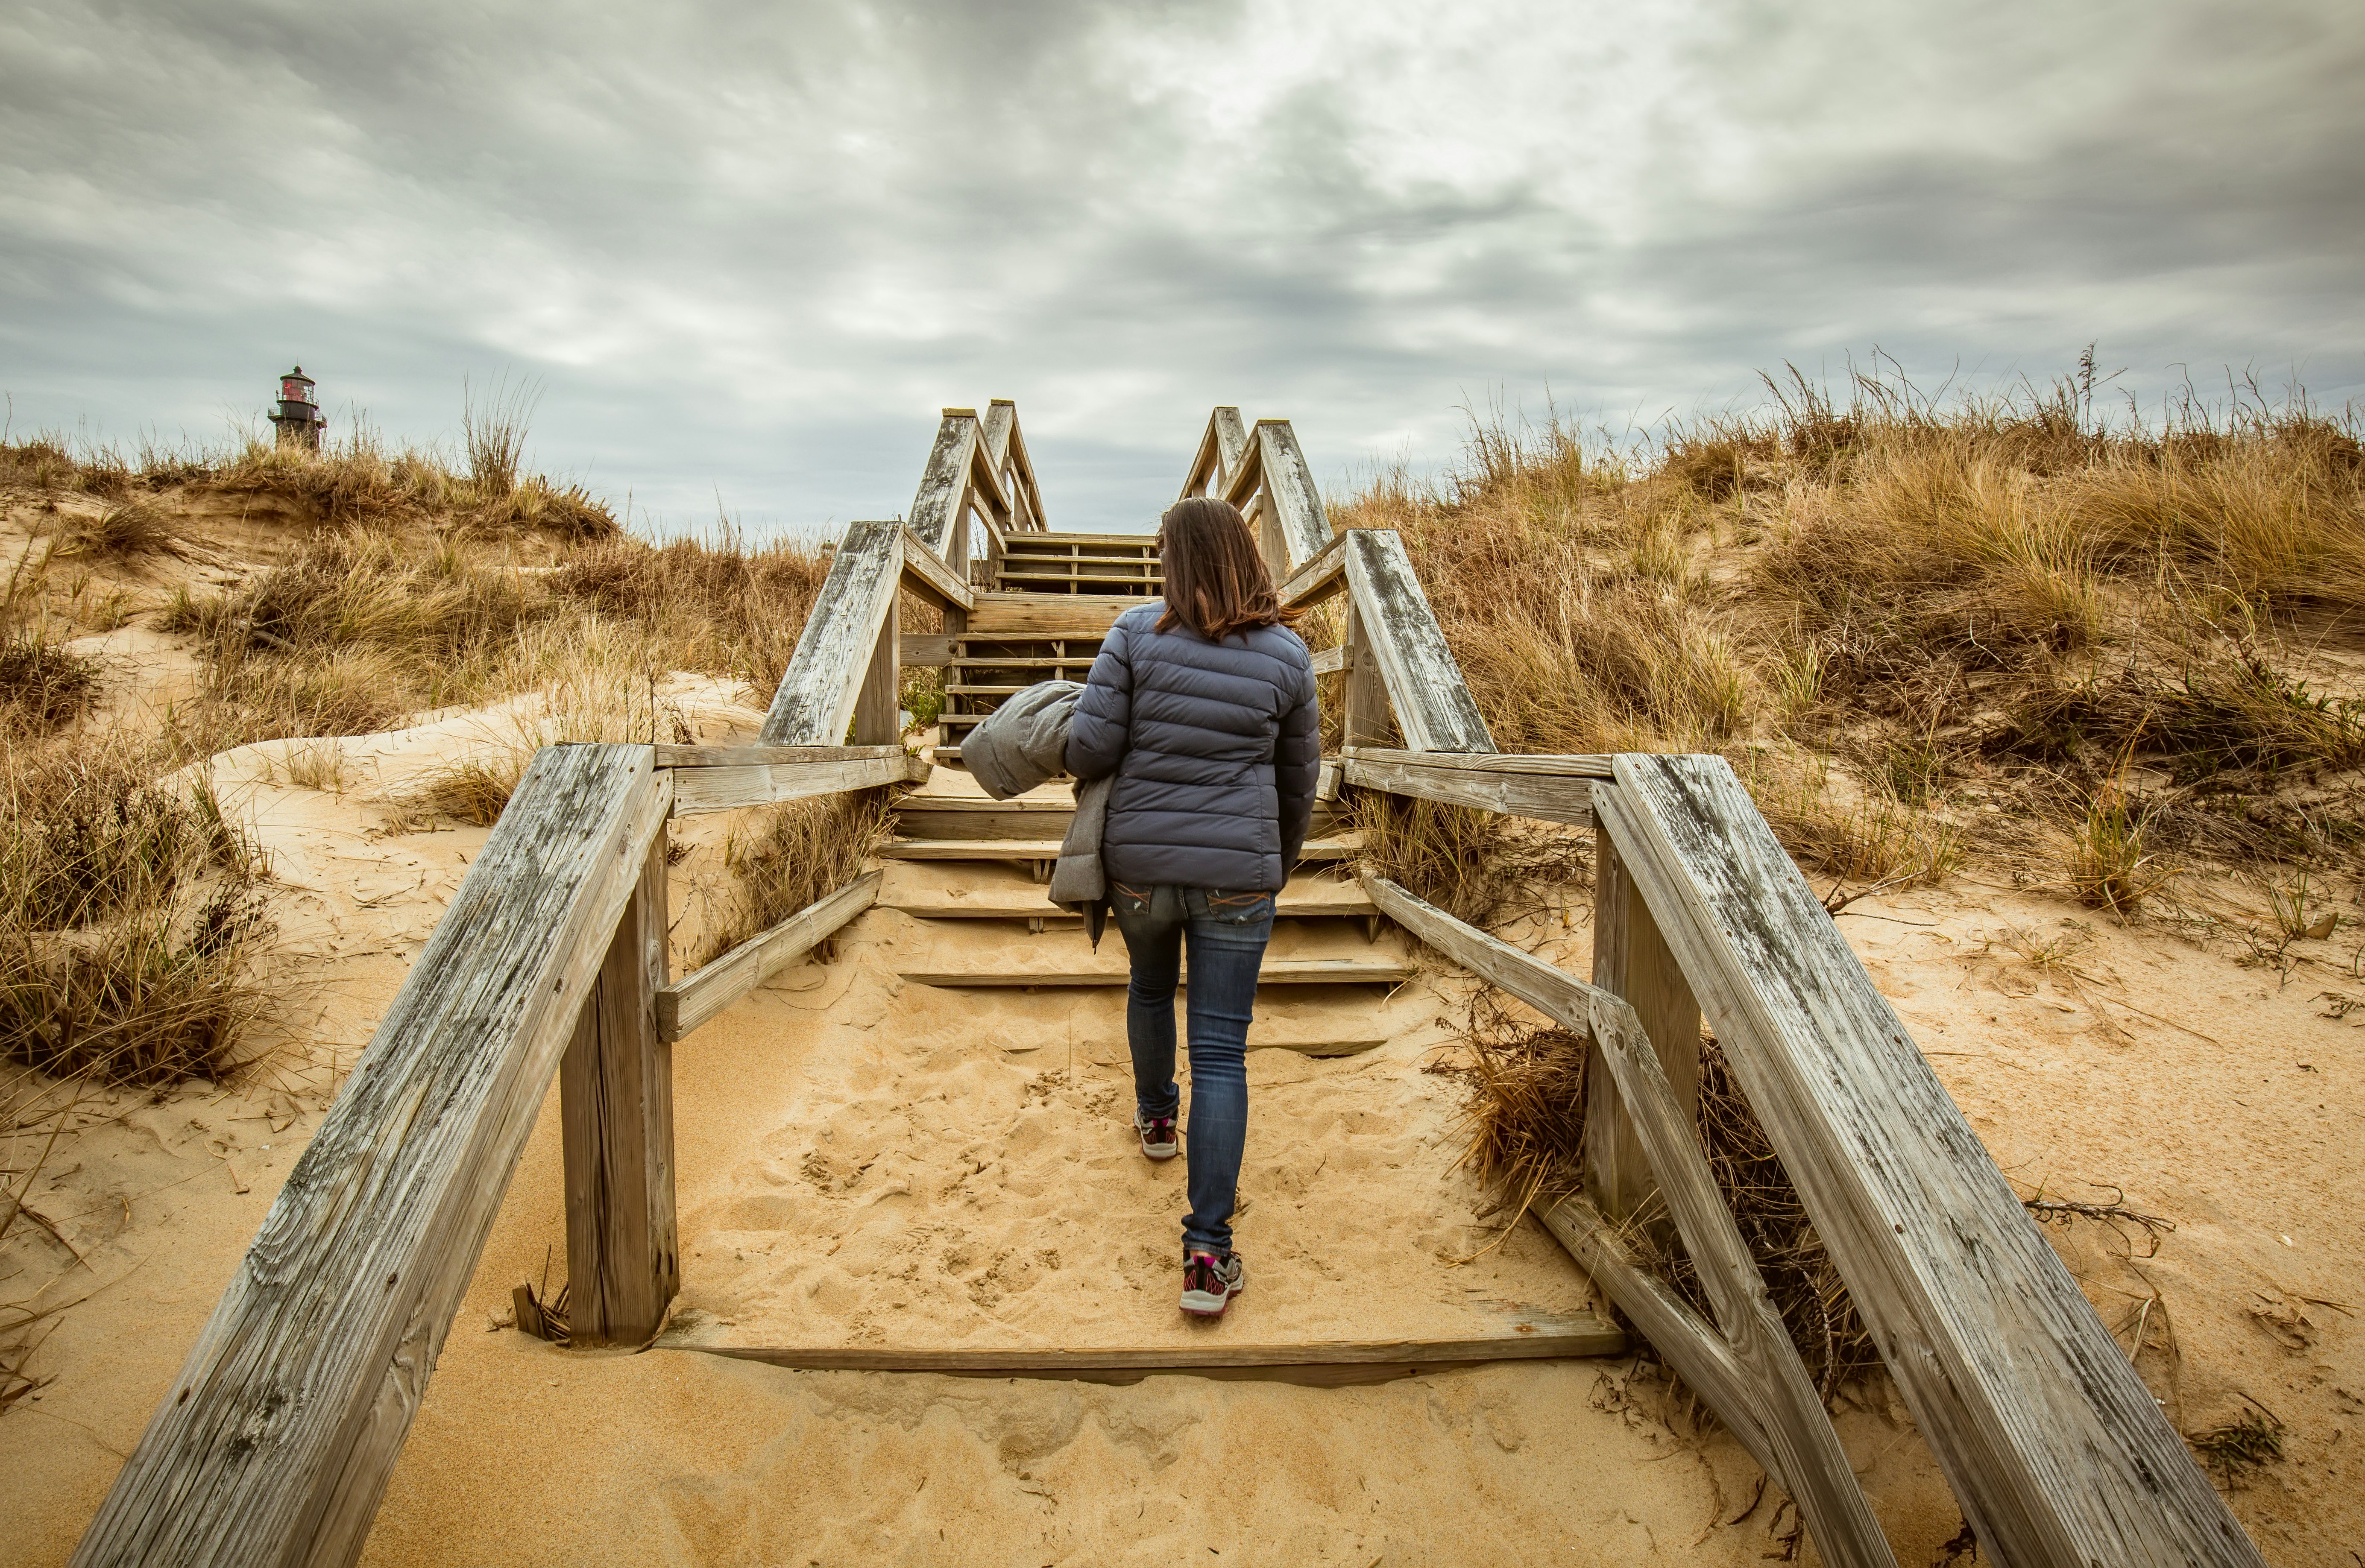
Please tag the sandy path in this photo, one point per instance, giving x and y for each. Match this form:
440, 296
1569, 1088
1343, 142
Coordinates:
866, 1161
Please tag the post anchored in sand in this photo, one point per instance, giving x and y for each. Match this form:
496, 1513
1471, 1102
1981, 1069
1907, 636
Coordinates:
299, 417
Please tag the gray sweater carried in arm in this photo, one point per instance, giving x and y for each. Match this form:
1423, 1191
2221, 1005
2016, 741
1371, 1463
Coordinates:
1215, 747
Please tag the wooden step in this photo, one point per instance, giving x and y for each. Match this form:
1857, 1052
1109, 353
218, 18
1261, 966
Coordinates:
1276, 971
1306, 898
1528, 1337
967, 817
1338, 848
1046, 616
1097, 540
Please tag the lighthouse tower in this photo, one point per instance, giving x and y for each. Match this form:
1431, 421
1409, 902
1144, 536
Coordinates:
298, 417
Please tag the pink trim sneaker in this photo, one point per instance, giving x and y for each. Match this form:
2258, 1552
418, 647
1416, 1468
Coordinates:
1157, 1139
1210, 1282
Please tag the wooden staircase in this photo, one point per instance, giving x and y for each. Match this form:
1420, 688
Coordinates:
1048, 600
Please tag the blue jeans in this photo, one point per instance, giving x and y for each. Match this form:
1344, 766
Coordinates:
1228, 933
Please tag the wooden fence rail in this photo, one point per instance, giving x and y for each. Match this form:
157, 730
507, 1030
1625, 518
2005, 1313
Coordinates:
278, 1436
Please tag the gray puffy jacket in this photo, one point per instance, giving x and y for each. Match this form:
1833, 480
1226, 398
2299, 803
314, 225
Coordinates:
1215, 748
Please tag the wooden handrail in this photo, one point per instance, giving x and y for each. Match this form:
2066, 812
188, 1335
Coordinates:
1395, 628
1747, 1366
835, 653
276, 1440
1218, 454
2006, 1367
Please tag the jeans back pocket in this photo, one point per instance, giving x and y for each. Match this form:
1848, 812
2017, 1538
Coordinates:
1239, 909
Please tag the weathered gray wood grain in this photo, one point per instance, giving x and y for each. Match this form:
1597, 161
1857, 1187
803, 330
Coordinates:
1289, 488
698, 790
1543, 765
615, 1097
878, 704
274, 1444
2057, 1452
924, 573
1765, 1380
1218, 453
1433, 776
944, 480
1631, 959
1363, 716
1433, 706
1329, 661
1528, 1337
695, 997
687, 757
1319, 578
824, 677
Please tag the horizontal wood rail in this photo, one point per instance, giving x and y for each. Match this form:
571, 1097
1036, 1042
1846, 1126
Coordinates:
277, 1439
728, 787
1558, 788
697, 997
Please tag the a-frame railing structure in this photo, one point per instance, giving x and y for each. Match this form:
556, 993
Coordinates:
275, 1442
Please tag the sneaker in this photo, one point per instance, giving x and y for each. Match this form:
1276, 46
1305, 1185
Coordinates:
1157, 1135
1210, 1282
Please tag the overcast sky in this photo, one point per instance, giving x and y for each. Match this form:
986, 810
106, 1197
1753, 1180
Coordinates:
748, 250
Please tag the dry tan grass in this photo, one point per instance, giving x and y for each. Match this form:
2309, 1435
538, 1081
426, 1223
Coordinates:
793, 854
1887, 613
128, 914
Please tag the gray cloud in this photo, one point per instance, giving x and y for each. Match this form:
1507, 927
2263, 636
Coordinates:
748, 250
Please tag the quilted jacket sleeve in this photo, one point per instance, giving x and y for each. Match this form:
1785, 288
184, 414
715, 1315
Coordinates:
1297, 762
1102, 725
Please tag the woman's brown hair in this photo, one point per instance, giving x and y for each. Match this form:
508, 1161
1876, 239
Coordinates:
1216, 583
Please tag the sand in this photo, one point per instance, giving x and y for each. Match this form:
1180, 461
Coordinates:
866, 1161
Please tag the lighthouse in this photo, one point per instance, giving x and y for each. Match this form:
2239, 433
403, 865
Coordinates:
299, 417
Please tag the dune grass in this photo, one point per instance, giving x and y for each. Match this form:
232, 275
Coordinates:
1889, 612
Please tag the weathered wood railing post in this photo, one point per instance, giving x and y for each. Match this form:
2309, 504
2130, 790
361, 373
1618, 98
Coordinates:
879, 711
1363, 713
616, 1101
1631, 960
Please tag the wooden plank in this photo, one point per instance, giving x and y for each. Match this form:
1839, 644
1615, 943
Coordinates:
1326, 781
1690, 1344
1336, 848
926, 650
1630, 959
276, 1439
1218, 453
1329, 661
879, 706
689, 756
698, 790
925, 573
1319, 578
1335, 1363
1290, 489
1809, 1462
616, 1105
1544, 765
1000, 420
695, 997
1306, 897
2056, 1450
1276, 971
1046, 616
942, 480
824, 677
1433, 705
1546, 798
1364, 719
1767, 1384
